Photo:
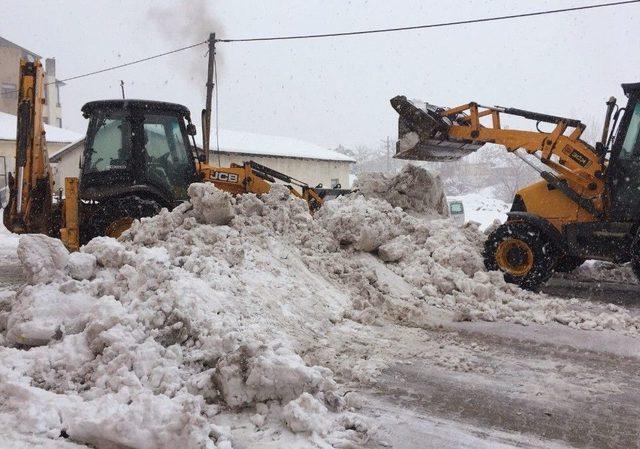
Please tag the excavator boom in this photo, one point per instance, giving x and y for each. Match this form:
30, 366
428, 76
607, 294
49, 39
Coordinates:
30, 188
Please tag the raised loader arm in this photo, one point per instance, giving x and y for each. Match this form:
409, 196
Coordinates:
30, 188
431, 133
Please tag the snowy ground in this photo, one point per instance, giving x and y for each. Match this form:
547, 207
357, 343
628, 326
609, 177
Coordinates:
247, 323
481, 208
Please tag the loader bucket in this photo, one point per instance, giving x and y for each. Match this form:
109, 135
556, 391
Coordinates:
422, 133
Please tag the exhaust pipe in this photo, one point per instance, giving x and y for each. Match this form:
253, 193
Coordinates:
611, 104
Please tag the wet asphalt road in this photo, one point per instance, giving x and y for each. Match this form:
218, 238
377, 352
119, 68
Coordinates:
609, 292
582, 398
576, 395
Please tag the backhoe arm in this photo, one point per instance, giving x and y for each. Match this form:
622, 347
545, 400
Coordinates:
30, 188
252, 177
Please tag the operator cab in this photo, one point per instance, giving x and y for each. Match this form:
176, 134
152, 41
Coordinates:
623, 173
140, 147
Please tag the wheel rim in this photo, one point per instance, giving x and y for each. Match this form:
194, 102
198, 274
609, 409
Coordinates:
514, 257
117, 227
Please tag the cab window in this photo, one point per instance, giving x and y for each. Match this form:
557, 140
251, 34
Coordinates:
111, 146
631, 145
165, 151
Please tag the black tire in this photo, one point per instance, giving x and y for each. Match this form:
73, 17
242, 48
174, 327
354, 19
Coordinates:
566, 264
111, 217
522, 252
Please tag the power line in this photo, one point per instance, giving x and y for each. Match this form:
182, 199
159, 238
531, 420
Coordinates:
433, 25
119, 66
348, 33
137, 61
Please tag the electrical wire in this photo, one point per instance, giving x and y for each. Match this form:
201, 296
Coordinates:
348, 33
433, 25
119, 66
137, 61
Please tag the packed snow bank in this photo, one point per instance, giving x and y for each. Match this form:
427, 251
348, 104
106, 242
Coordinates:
43, 259
181, 322
414, 189
216, 328
594, 270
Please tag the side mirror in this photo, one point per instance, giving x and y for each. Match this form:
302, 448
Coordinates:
191, 129
201, 158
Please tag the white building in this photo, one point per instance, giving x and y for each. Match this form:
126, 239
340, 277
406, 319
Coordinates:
305, 161
56, 138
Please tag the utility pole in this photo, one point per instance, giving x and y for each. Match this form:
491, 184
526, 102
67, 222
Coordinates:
122, 88
206, 113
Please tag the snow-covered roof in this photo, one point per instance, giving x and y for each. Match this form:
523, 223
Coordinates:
241, 142
8, 127
265, 145
57, 156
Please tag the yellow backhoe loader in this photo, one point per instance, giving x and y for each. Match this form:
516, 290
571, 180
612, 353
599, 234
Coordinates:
137, 159
587, 205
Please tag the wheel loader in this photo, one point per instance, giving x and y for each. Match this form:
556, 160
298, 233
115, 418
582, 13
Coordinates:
139, 156
587, 204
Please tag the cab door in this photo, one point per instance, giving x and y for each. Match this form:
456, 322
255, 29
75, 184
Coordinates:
623, 174
169, 165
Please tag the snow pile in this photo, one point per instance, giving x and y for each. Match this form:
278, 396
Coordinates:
43, 259
225, 322
152, 340
440, 266
414, 189
594, 270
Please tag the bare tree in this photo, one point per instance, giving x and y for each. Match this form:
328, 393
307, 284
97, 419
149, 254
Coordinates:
507, 173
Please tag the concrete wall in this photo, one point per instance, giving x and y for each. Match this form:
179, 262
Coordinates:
9, 71
9, 76
52, 112
313, 172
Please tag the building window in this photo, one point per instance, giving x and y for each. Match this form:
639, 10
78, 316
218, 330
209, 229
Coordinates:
9, 90
334, 183
59, 122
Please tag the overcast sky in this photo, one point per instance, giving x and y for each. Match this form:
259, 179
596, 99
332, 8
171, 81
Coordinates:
331, 91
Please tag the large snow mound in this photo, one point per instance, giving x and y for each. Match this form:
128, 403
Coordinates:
414, 189
235, 327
